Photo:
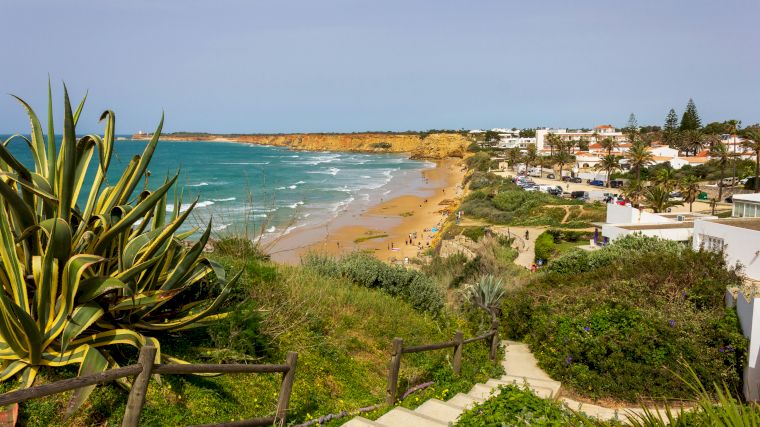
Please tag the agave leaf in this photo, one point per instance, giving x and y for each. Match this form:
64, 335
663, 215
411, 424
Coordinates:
28, 375
79, 108
187, 260
11, 264
38, 141
82, 318
49, 172
72, 276
93, 288
143, 299
59, 237
12, 369
45, 271
110, 337
93, 363
165, 234
133, 215
142, 166
105, 149
54, 358
67, 161
187, 320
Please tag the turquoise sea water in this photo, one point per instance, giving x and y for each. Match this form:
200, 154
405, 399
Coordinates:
261, 188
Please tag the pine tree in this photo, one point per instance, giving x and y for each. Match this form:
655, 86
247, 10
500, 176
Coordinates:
670, 130
671, 122
632, 129
690, 119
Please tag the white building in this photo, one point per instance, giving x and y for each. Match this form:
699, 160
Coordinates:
627, 220
598, 134
746, 205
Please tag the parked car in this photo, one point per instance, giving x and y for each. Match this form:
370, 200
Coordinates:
576, 180
579, 195
617, 183
676, 196
550, 176
555, 191
567, 178
727, 182
597, 183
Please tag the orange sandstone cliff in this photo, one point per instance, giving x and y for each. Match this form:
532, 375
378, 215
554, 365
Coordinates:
419, 146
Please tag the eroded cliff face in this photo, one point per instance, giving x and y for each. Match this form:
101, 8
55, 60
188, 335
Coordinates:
432, 146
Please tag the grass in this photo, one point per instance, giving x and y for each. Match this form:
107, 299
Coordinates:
341, 331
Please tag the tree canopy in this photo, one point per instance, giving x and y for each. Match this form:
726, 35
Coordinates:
690, 119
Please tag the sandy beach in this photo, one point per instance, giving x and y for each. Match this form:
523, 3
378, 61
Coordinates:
393, 229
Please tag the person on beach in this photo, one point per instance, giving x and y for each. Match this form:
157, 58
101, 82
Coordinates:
527, 235
533, 267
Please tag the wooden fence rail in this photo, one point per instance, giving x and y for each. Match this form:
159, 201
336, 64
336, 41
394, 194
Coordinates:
143, 371
398, 349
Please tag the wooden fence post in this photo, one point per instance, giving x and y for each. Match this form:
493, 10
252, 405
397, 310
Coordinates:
494, 339
286, 387
136, 398
458, 340
396, 351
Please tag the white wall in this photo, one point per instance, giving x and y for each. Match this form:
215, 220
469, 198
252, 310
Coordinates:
618, 214
614, 232
664, 152
748, 312
742, 245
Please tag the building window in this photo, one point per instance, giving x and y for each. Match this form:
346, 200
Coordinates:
712, 244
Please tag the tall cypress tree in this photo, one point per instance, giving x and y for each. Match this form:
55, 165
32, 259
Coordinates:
690, 119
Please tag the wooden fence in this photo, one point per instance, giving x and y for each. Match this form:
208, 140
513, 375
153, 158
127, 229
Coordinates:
458, 343
145, 368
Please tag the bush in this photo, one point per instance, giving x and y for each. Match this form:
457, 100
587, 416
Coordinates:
615, 323
381, 145
518, 406
480, 161
545, 246
474, 233
365, 270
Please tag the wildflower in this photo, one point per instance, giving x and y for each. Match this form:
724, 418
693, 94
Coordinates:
729, 348
568, 360
587, 329
672, 323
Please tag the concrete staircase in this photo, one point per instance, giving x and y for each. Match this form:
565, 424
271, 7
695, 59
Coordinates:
521, 368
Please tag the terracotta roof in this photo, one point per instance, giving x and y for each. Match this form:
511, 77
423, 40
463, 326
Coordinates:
595, 145
662, 158
694, 159
703, 153
604, 127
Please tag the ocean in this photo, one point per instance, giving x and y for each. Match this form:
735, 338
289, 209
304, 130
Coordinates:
261, 190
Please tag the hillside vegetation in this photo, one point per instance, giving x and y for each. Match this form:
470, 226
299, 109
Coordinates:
341, 330
617, 322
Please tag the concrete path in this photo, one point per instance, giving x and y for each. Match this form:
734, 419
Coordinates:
521, 368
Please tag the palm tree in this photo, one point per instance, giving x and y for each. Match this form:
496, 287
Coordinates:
665, 178
658, 199
553, 141
689, 187
531, 155
514, 157
561, 158
583, 144
722, 156
753, 144
692, 140
609, 144
608, 163
633, 191
639, 157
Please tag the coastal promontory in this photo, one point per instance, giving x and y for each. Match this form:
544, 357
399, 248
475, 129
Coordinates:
420, 145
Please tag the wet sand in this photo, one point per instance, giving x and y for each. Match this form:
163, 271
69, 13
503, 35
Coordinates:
384, 228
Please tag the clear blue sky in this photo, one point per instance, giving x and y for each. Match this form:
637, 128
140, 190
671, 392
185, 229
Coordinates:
351, 65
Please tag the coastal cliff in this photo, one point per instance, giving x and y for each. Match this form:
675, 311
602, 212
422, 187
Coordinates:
419, 146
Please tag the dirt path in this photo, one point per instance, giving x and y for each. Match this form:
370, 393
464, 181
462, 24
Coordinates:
525, 247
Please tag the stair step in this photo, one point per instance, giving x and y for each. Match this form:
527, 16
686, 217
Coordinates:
595, 411
361, 422
440, 410
464, 401
554, 386
402, 417
481, 391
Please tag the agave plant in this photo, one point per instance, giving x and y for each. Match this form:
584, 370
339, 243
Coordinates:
82, 272
487, 294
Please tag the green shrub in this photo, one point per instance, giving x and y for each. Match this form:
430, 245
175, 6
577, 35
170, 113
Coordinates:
365, 270
479, 161
615, 323
381, 145
474, 233
518, 406
544, 248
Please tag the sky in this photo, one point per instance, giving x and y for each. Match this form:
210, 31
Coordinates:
249, 66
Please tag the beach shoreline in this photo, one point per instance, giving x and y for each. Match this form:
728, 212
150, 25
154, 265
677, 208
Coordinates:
393, 228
